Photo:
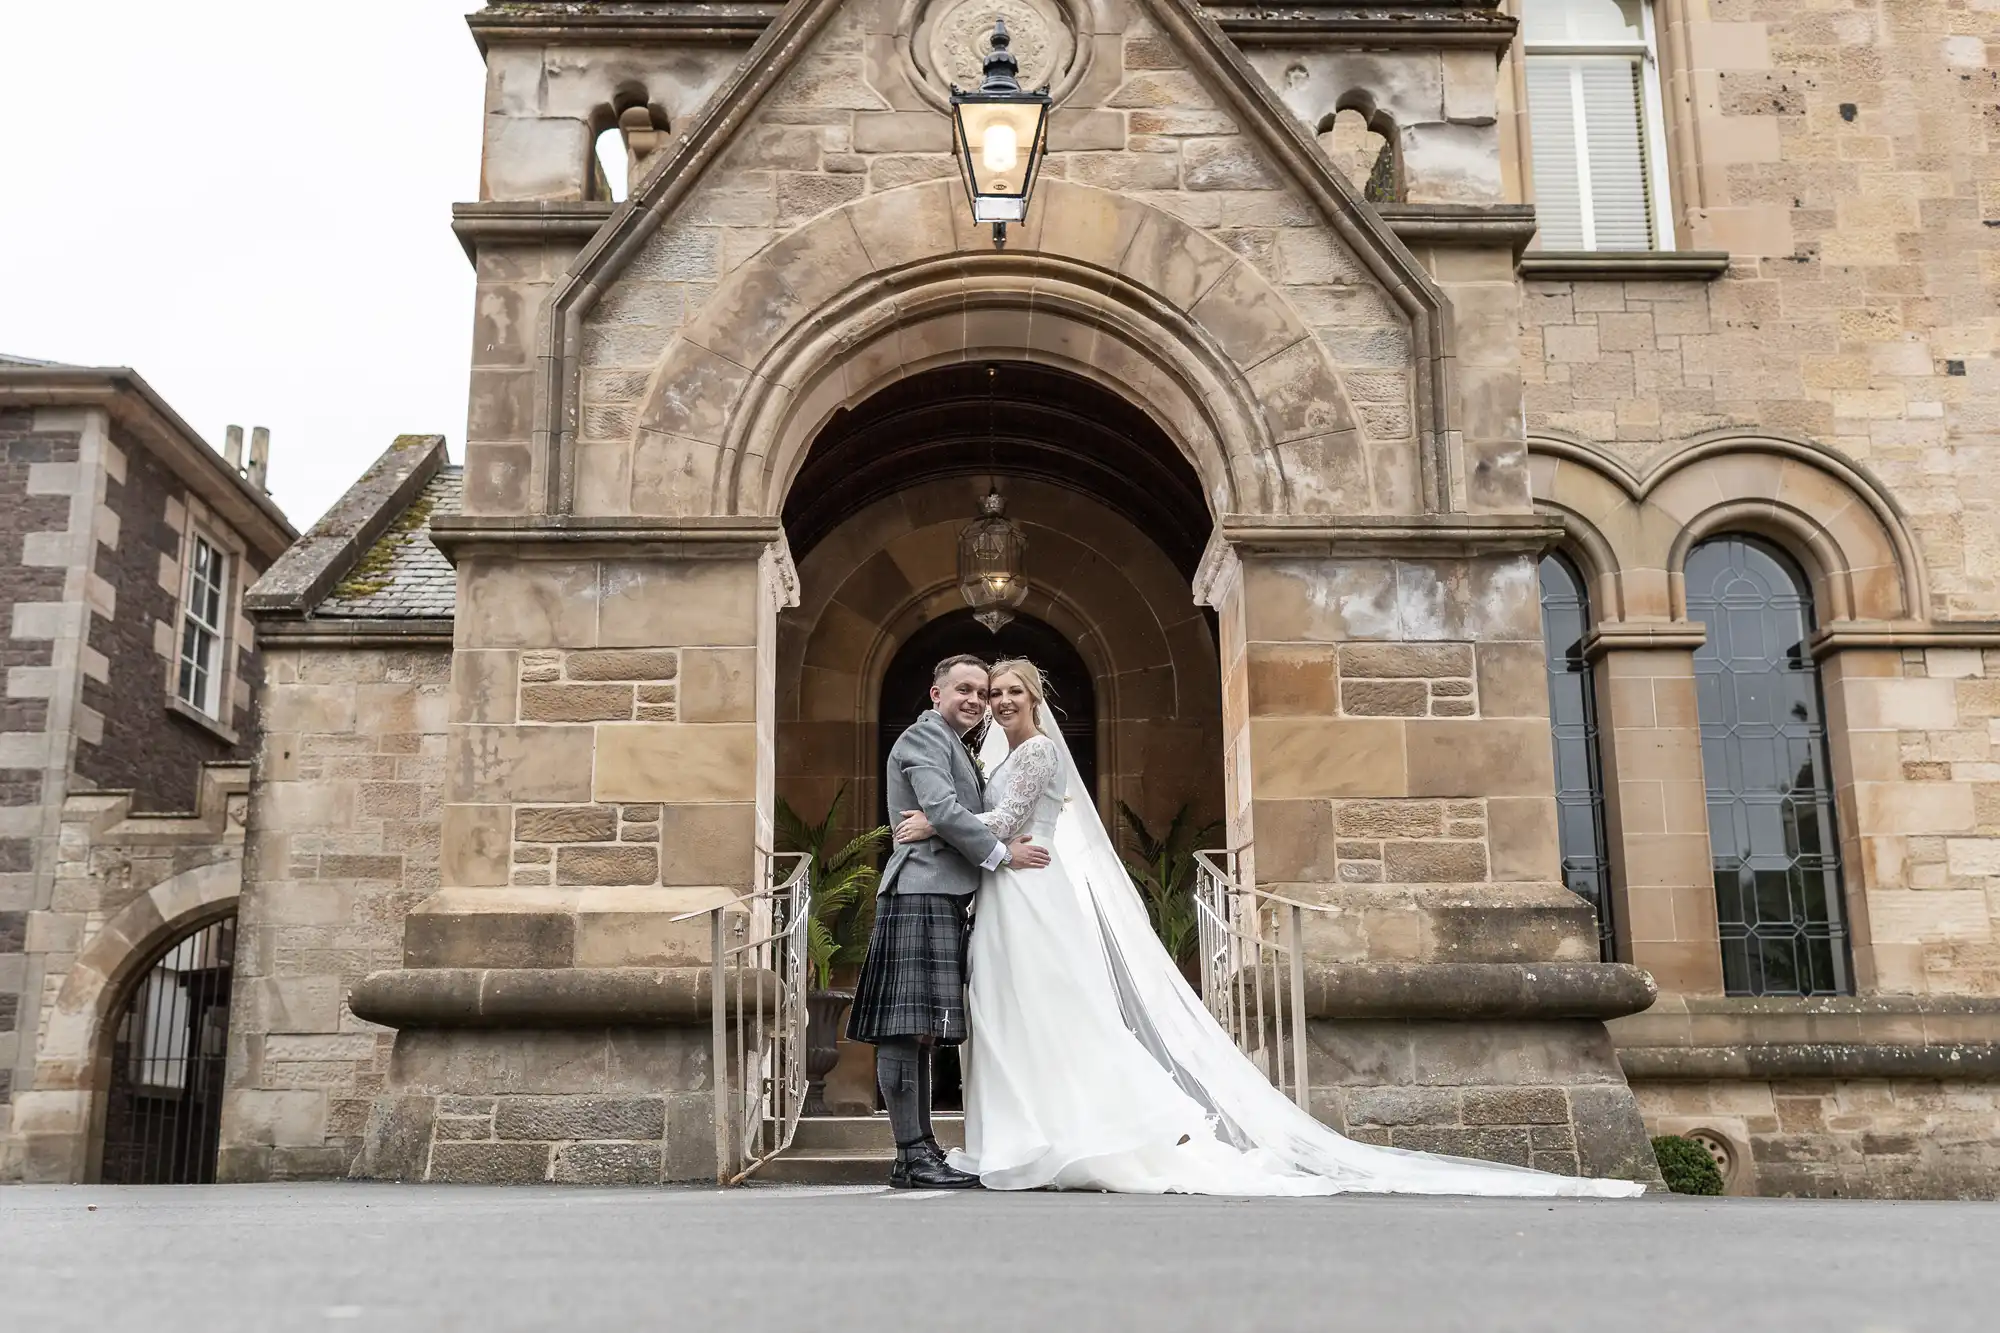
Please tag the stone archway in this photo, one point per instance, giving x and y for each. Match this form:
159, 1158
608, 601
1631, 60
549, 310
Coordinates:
62, 1117
1116, 522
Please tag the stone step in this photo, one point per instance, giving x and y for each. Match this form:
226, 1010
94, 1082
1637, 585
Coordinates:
866, 1133
828, 1166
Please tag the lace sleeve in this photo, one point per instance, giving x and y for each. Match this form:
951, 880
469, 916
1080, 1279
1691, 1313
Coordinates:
1028, 776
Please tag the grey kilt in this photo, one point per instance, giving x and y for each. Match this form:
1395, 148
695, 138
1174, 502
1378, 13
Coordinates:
913, 980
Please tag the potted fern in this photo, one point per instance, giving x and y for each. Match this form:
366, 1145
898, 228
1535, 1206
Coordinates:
1164, 874
842, 884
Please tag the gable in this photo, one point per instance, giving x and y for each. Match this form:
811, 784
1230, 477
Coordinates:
833, 108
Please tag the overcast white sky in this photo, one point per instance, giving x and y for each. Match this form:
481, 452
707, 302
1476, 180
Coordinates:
249, 203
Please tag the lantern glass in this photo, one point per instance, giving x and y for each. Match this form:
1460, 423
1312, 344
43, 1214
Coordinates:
989, 564
999, 146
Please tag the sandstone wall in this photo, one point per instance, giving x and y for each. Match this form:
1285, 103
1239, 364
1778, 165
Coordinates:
1844, 157
344, 819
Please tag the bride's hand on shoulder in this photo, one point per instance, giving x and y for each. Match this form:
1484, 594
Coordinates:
914, 828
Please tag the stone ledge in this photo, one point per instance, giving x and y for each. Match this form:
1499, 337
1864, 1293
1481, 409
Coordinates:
528, 220
1428, 24
1624, 265
566, 537
1509, 225
1972, 1061
1842, 635
655, 24
537, 998
1835, 1036
351, 633
1627, 636
1353, 535
1476, 990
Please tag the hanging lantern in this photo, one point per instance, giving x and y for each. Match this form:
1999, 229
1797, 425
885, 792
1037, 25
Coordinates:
998, 133
989, 564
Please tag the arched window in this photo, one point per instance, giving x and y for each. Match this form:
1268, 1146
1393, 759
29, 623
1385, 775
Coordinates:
1764, 757
611, 166
1586, 859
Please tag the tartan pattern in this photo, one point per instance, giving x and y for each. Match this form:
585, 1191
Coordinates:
913, 980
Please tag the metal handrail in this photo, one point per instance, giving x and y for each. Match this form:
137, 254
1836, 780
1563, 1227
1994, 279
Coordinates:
757, 1062
1253, 969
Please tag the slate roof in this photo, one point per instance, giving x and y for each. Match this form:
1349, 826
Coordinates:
404, 576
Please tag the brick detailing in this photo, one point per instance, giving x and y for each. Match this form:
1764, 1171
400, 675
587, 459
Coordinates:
1843, 1139
612, 664
147, 749
1410, 842
1408, 680
591, 823
597, 845
28, 456
1568, 1113
576, 703
570, 1140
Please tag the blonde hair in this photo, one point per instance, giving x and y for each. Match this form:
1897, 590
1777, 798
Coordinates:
1029, 675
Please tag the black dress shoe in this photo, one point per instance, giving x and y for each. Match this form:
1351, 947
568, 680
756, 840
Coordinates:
931, 1173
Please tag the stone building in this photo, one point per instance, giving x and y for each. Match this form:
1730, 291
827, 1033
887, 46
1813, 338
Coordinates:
126, 545
1527, 469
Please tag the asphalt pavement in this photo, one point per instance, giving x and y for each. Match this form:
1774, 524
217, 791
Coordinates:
803, 1260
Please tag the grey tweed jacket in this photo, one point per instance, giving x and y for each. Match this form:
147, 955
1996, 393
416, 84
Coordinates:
929, 770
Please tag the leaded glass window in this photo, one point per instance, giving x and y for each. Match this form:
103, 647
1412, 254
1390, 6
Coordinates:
1586, 859
1764, 756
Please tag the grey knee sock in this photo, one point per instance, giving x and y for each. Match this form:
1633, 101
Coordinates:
896, 1066
926, 1083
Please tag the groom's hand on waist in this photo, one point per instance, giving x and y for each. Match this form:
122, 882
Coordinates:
1023, 854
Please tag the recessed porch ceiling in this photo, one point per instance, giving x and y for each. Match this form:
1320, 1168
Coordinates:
1007, 419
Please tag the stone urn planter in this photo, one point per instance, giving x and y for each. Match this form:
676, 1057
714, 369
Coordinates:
826, 1010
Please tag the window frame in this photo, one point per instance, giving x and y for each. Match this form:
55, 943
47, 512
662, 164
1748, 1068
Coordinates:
221, 676
1652, 129
1818, 734
1591, 727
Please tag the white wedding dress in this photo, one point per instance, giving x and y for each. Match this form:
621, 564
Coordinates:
1092, 1065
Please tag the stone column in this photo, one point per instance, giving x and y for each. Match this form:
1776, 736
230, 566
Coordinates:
1656, 803
1390, 762
608, 761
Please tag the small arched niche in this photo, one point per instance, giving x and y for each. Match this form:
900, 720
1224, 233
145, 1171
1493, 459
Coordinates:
1364, 151
625, 133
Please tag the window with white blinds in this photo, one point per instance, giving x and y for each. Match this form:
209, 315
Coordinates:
1593, 119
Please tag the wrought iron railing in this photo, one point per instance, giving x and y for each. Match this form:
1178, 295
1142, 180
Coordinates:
1253, 976
757, 1034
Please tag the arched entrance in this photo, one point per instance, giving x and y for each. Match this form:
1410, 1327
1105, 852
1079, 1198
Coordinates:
906, 685
169, 1041
1116, 521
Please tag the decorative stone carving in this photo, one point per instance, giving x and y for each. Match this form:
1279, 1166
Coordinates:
945, 41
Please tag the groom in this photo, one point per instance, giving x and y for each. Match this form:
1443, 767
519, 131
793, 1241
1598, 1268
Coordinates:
911, 994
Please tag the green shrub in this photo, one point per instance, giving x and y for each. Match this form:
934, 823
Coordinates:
1686, 1165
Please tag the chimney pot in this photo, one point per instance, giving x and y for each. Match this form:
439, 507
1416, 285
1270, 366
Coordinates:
260, 457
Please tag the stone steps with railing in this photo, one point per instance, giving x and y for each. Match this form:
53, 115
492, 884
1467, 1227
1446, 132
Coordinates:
846, 1150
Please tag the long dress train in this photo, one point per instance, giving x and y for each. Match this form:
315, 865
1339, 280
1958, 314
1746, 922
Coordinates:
1093, 1066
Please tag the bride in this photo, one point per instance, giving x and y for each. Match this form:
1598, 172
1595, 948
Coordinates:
1092, 1065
